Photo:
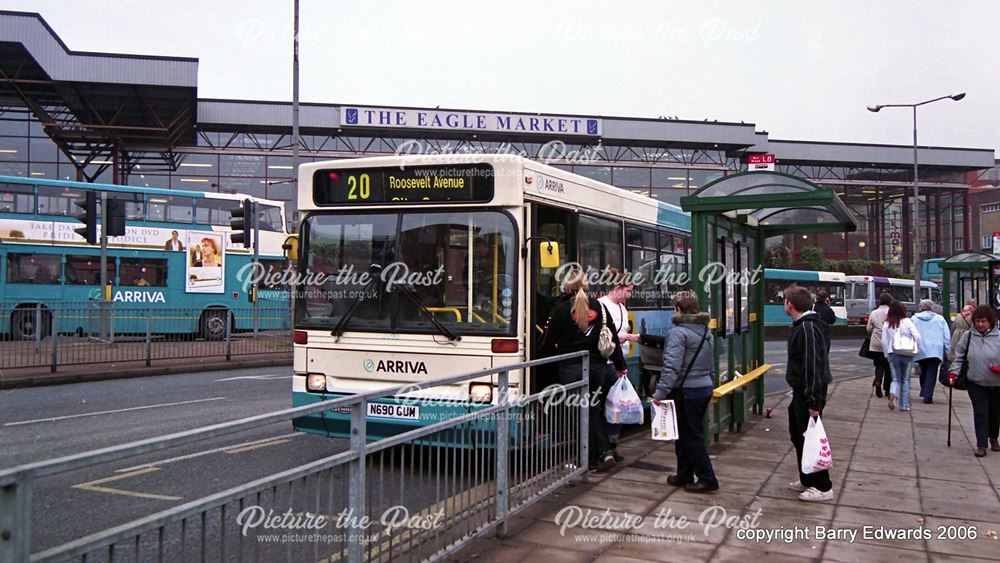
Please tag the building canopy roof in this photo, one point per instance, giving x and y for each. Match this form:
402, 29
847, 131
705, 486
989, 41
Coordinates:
774, 202
90, 104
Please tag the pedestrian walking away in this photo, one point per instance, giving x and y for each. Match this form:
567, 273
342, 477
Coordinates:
934, 347
808, 374
883, 377
896, 331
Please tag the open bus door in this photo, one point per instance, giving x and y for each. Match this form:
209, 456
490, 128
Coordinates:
555, 225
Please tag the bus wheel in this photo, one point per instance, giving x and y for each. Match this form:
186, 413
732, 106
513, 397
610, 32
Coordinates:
24, 320
213, 324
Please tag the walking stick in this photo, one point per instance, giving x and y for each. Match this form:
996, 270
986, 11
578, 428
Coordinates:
950, 389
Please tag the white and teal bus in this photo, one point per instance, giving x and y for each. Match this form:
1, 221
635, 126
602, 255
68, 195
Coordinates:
175, 255
777, 280
431, 267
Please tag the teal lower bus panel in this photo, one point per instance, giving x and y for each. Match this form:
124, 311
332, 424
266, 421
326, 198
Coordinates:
474, 434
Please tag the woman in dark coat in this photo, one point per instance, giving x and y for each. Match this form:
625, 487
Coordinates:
575, 325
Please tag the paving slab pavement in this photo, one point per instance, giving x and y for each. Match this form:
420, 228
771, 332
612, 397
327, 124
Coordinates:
901, 494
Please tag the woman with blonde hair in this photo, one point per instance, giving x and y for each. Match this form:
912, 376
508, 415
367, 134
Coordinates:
575, 325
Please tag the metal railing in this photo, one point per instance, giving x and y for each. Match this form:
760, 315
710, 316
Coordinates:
86, 333
457, 479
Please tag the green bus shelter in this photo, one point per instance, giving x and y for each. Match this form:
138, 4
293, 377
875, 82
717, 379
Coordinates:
731, 218
970, 275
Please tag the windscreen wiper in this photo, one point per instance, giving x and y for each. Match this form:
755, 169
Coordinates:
338, 330
408, 292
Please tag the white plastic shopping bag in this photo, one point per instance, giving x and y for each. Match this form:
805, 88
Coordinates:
664, 421
816, 454
623, 405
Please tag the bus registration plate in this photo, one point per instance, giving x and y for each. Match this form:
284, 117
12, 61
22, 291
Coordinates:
383, 410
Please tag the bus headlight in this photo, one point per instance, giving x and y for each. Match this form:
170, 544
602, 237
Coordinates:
481, 392
316, 382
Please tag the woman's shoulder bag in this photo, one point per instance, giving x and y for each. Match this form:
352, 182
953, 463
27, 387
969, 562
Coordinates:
605, 340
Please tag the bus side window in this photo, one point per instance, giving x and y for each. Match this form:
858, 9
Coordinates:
33, 268
17, 198
86, 270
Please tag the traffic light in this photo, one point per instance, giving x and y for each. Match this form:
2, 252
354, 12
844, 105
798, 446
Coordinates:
241, 220
88, 217
252, 294
115, 218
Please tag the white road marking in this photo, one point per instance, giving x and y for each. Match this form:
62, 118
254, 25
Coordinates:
55, 418
261, 377
283, 437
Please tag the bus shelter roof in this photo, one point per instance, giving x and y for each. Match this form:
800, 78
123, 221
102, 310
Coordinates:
775, 203
969, 261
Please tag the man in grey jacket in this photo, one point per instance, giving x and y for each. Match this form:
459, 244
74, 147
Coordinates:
687, 378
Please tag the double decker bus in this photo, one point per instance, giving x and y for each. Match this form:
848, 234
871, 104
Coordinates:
776, 280
175, 254
432, 266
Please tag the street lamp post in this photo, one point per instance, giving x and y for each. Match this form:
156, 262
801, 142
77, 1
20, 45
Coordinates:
917, 261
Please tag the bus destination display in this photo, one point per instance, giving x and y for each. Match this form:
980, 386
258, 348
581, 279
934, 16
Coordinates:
447, 183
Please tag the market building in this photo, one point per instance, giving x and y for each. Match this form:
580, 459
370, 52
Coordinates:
138, 120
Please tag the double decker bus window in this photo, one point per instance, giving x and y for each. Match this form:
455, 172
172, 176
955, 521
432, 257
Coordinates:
33, 268
86, 270
58, 200
144, 272
172, 209
17, 198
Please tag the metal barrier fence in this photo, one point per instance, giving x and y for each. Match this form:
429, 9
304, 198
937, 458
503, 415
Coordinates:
455, 479
96, 332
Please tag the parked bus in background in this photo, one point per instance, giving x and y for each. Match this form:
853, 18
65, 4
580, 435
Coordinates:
931, 270
863, 293
777, 280
451, 248
175, 254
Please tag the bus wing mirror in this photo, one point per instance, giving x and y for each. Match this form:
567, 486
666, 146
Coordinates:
548, 254
291, 247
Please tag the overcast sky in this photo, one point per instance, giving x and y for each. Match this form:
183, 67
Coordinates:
798, 69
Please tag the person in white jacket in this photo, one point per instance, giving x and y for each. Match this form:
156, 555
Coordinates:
900, 363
